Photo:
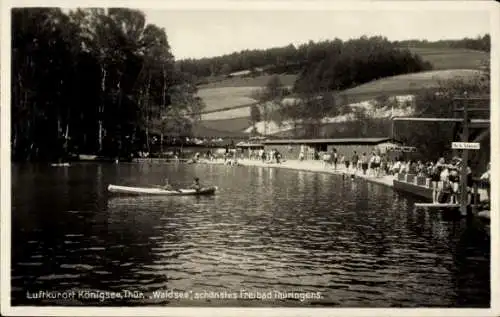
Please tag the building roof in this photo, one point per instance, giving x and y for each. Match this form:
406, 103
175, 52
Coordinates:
245, 144
329, 141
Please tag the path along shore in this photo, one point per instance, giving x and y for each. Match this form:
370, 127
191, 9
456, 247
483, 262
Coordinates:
319, 166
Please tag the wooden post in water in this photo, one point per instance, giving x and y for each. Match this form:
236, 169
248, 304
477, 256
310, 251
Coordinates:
465, 158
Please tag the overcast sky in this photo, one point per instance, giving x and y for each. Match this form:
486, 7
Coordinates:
195, 34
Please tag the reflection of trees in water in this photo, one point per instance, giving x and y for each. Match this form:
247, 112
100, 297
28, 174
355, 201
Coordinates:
301, 183
471, 271
260, 173
453, 238
271, 185
130, 235
426, 225
290, 215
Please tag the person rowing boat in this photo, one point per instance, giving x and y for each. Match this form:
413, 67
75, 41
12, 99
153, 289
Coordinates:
196, 184
167, 185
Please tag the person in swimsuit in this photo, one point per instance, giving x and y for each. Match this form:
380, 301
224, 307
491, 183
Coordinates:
364, 163
454, 179
301, 156
444, 184
355, 161
485, 179
376, 164
335, 158
370, 163
435, 179
196, 184
346, 162
326, 159
167, 185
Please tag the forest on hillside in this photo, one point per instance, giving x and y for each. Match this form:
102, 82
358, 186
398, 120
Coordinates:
480, 43
292, 59
93, 81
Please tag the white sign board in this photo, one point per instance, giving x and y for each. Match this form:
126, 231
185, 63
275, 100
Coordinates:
465, 146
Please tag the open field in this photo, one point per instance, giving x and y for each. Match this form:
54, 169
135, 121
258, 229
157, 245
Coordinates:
411, 82
228, 114
236, 124
390, 86
258, 81
226, 97
451, 58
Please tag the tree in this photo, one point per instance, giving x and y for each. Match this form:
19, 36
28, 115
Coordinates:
293, 111
439, 103
42, 82
94, 80
270, 98
254, 115
226, 69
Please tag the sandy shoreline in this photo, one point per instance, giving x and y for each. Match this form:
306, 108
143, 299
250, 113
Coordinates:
310, 166
319, 167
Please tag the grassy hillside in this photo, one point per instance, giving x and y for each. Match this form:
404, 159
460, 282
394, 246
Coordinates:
451, 58
237, 92
226, 97
405, 84
390, 86
258, 81
236, 124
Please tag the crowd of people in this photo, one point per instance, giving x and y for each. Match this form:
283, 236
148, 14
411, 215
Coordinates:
271, 156
444, 176
374, 164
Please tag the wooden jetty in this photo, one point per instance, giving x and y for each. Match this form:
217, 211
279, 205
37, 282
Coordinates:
436, 205
465, 124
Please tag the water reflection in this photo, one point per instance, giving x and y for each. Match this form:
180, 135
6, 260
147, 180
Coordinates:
357, 243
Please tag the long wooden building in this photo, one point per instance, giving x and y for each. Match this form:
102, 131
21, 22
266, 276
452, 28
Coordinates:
291, 148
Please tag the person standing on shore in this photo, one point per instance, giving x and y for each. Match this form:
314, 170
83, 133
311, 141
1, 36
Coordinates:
335, 158
302, 153
371, 165
376, 164
485, 178
326, 159
364, 163
454, 179
384, 165
435, 179
346, 162
355, 161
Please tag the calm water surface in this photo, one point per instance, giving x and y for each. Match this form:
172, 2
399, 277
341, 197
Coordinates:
356, 243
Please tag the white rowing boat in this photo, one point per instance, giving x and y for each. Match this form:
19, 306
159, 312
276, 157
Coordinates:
127, 190
59, 164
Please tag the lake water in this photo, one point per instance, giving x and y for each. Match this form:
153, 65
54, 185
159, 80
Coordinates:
299, 238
